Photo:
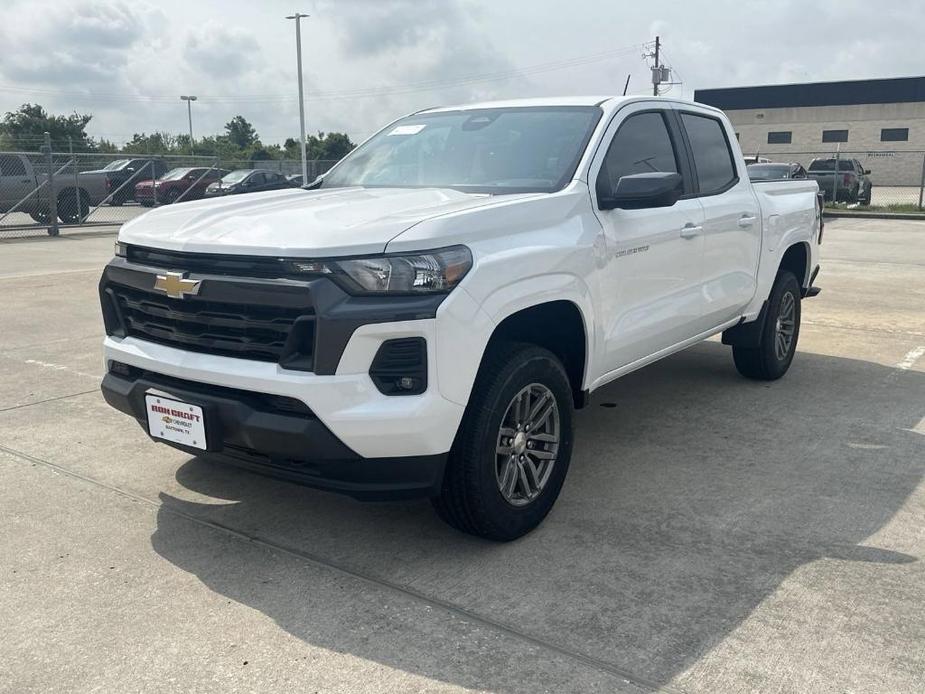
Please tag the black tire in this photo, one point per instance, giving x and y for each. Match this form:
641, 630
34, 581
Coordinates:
70, 211
766, 362
172, 196
471, 499
866, 199
41, 216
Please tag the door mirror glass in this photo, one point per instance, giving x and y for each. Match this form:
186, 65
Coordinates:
644, 190
867, 172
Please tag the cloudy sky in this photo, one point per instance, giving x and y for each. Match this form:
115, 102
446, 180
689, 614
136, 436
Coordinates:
368, 61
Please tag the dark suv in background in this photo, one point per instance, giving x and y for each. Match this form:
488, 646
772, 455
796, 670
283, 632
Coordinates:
849, 184
248, 181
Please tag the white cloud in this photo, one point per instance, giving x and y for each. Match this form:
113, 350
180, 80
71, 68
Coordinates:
128, 62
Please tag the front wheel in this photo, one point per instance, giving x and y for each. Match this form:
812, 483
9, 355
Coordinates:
771, 359
514, 445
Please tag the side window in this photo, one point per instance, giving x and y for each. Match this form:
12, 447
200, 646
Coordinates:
257, 179
642, 145
712, 156
11, 166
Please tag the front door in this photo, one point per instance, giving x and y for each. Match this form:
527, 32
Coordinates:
650, 282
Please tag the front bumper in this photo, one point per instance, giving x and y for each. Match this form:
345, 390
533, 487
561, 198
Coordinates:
278, 436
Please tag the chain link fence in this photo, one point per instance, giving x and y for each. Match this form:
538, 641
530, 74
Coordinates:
897, 177
44, 191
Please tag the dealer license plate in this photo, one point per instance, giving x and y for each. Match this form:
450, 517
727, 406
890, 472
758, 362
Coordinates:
175, 421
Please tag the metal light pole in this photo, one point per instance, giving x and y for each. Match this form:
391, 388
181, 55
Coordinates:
298, 51
189, 112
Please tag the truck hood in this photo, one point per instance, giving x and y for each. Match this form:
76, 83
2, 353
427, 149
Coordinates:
319, 223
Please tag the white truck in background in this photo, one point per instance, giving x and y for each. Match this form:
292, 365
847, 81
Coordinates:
424, 319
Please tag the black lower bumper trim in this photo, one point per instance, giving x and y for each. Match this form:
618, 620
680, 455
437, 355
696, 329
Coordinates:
296, 446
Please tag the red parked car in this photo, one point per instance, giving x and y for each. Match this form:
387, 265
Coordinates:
189, 182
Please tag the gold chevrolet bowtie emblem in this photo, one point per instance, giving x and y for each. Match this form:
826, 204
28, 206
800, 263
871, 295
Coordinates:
176, 286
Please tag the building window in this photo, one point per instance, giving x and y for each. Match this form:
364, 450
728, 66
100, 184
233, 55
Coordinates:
834, 135
894, 135
780, 137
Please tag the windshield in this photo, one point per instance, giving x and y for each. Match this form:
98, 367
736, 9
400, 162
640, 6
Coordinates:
763, 172
498, 150
117, 164
236, 176
829, 165
175, 174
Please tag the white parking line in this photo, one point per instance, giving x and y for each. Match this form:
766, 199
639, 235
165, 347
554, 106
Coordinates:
60, 367
911, 357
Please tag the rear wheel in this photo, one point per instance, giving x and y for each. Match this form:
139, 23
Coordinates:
73, 206
771, 359
513, 448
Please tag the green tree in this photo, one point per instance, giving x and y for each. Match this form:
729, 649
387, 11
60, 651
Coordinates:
155, 143
328, 145
27, 126
241, 133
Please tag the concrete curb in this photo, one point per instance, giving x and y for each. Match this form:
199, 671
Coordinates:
844, 214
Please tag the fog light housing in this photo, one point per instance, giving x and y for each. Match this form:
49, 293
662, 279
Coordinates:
400, 366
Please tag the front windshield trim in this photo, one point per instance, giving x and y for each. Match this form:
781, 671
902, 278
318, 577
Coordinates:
568, 172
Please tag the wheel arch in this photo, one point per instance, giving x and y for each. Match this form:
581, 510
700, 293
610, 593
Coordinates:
796, 259
558, 325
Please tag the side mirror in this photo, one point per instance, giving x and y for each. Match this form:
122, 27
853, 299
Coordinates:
867, 172
644, 190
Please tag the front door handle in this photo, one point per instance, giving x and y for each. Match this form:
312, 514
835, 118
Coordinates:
745, 221
689, 231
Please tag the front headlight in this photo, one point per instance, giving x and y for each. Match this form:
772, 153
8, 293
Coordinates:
433, 272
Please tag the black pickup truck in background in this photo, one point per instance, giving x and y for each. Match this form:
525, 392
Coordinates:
850, 184
121, 170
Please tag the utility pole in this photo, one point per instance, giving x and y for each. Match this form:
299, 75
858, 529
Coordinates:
656, 71
189, 112
298, 51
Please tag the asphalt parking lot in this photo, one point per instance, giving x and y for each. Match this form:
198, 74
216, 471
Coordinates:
714, 534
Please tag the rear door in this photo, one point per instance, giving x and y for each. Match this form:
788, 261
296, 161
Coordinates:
732, 218
16, 181
255, 182
650, 275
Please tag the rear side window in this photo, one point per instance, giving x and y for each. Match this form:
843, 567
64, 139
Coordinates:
712, 155
641, 145
11, 166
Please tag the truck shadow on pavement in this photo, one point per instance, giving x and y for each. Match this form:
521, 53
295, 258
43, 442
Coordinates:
692, 496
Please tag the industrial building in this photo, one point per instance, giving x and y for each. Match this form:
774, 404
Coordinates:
880, 122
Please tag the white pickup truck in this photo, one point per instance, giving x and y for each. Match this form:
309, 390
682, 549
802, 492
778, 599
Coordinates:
426, 317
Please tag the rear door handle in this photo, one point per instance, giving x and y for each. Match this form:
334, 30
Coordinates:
745, 221
689, 231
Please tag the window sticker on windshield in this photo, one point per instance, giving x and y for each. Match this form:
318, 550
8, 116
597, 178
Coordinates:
408, 129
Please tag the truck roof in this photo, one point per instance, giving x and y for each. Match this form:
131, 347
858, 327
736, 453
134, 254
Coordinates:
591, 100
